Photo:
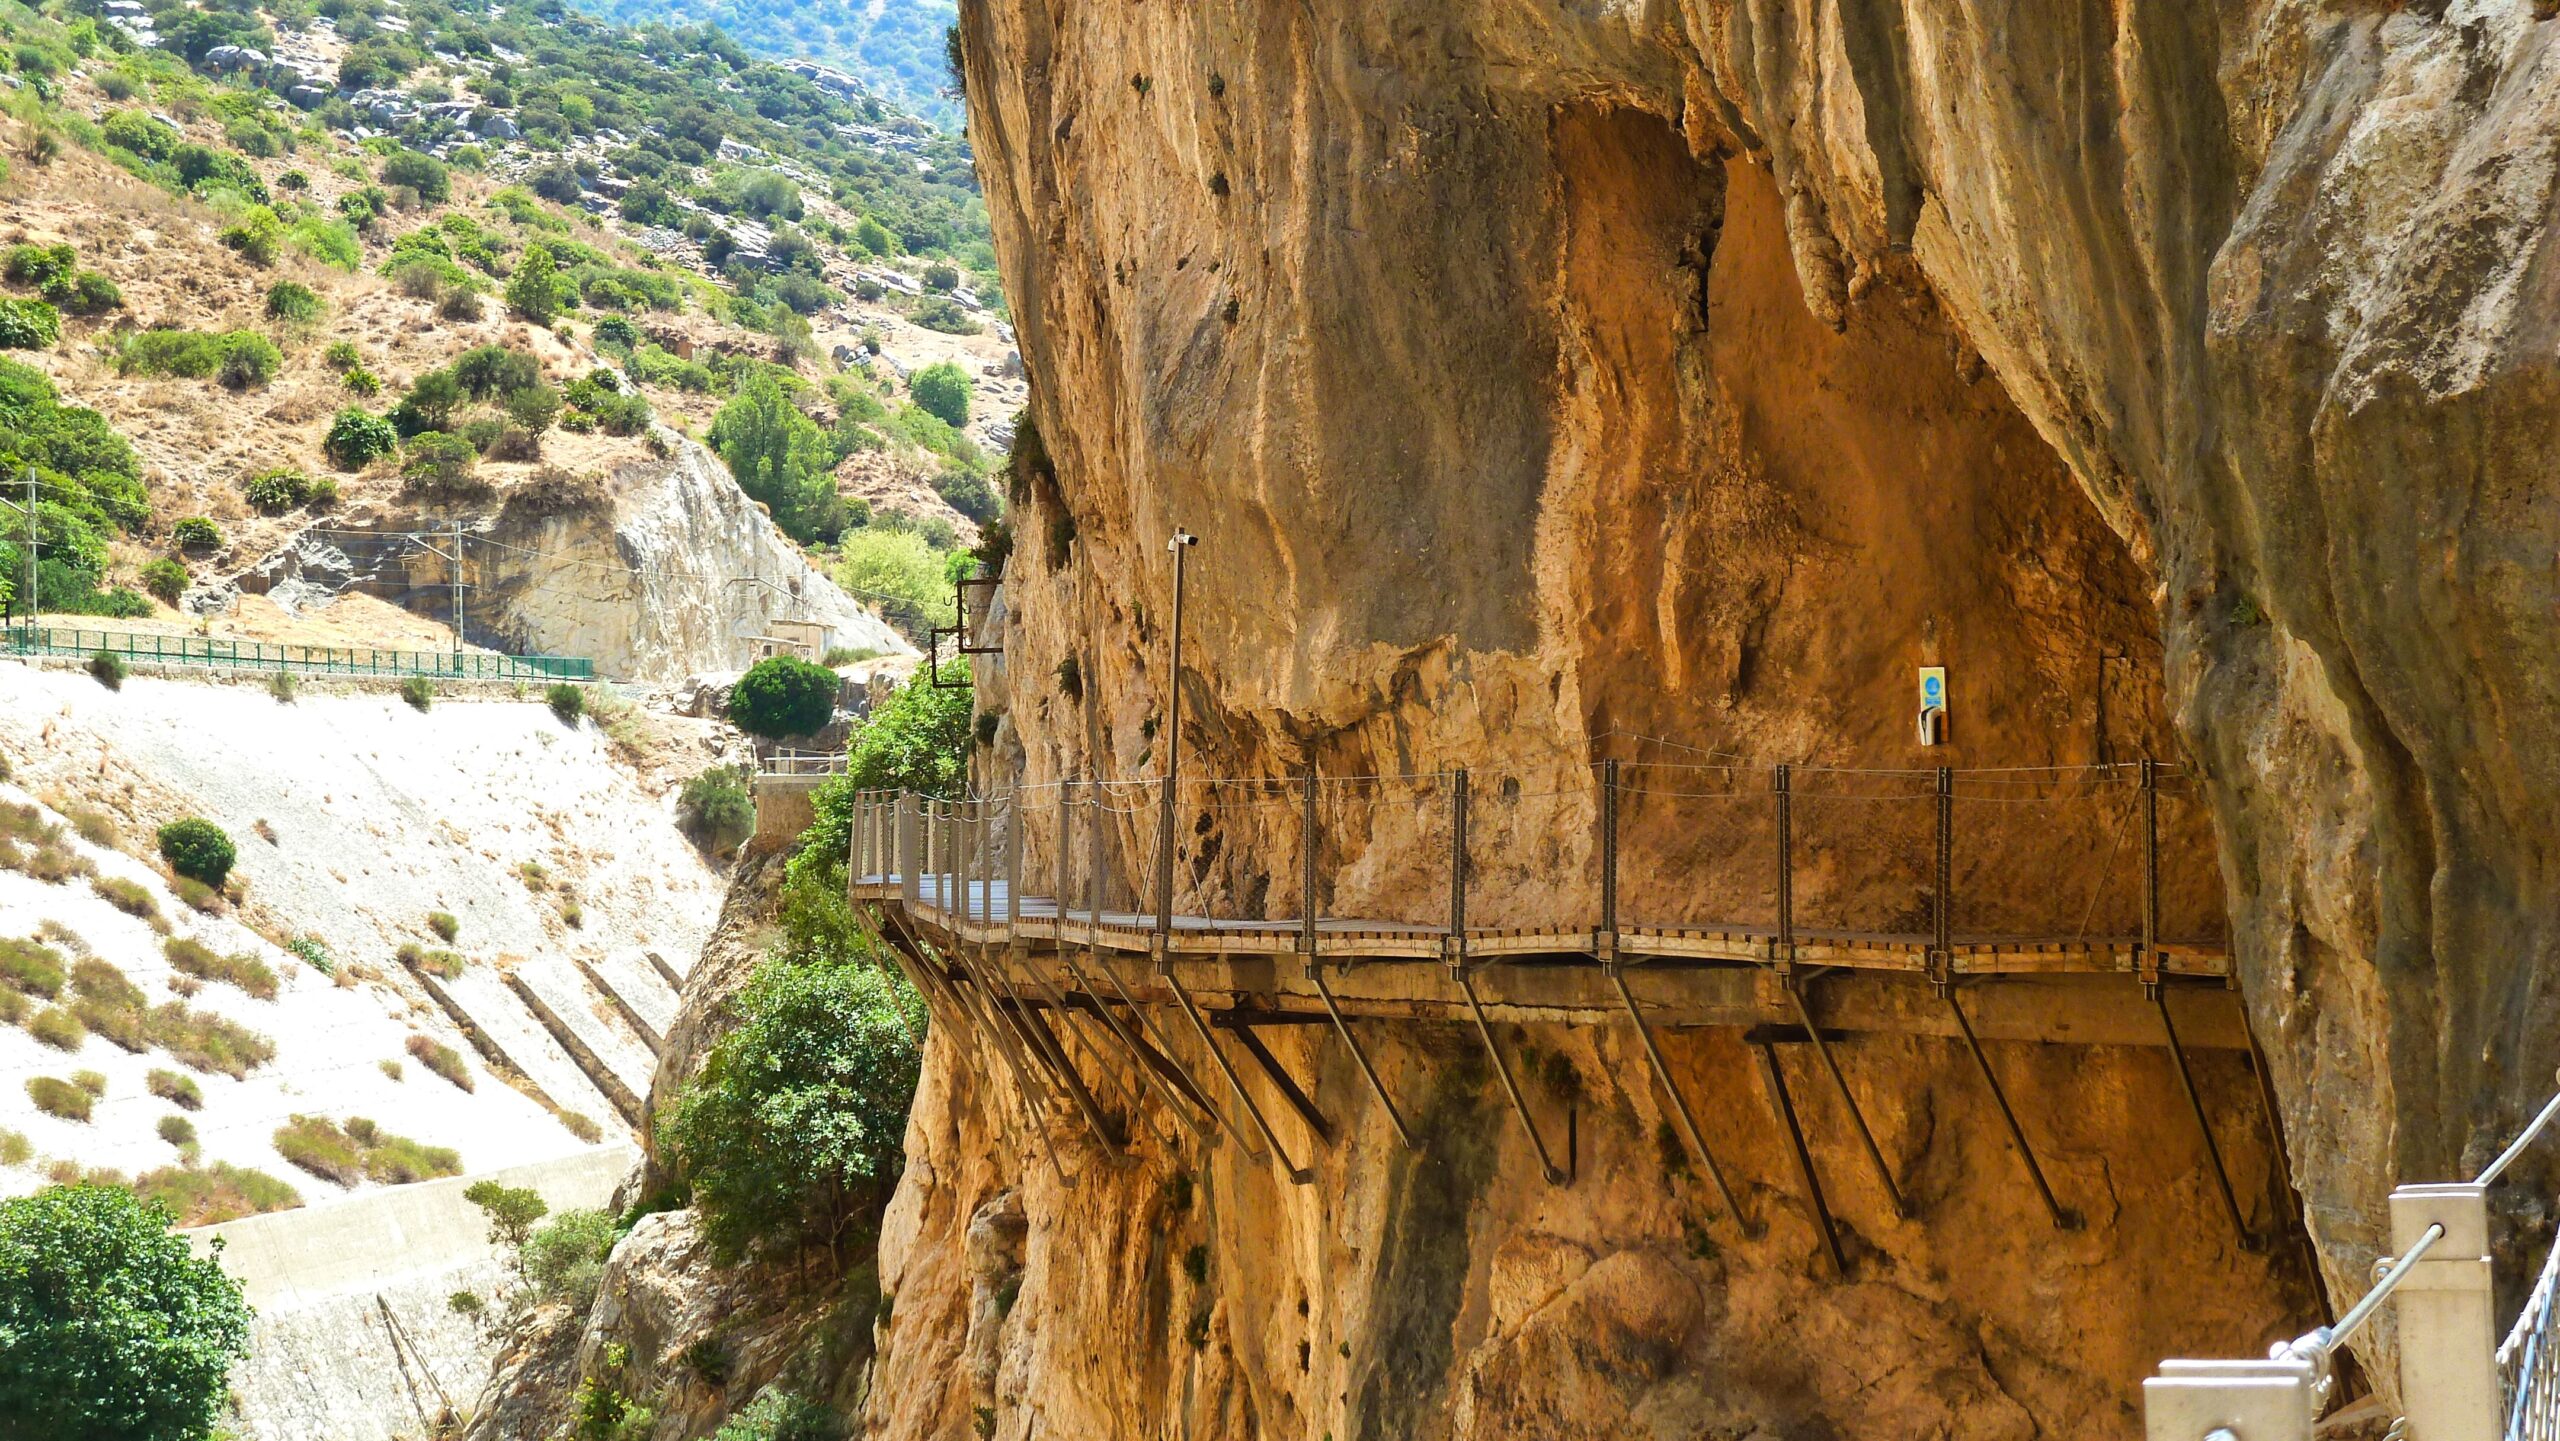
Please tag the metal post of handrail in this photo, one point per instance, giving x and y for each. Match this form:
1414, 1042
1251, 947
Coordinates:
1605, 944
1942, 947
1164, 881
2147, 965
1454, 947
1307, 878
1782, 781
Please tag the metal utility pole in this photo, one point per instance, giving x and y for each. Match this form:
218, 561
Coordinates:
30, 474
457, 586
1180, 545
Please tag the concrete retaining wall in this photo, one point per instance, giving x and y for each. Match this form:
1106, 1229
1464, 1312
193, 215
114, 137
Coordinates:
356, 1339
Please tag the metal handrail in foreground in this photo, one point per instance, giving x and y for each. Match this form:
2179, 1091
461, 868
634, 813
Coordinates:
222, 652
2458, 1380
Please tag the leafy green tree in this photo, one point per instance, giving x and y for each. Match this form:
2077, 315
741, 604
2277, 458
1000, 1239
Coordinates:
511, 1212
873, 236
896, 572
110, 1328
797, 1121
357, 437
916, 740
943, 390
422, 173
783, 695
533, 291
780, 458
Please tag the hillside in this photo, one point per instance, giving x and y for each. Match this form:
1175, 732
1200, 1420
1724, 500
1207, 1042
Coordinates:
232, 278
896, 48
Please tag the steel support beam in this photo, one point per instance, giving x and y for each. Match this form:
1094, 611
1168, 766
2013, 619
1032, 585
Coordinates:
1680, 1106
1857, 1118
2204, 1124
1299, 1101
2063, 1219
1510, 1087
1785, 1106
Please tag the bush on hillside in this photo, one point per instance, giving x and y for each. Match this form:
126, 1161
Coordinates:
440, 467
194, 958
424, 174
783, 696
59, 1098
292, 301
195, 533
177, 1088
237, 358
943, 390
108, 669
207, 1195
440, 1058
358, 437
717, 809
567, 702
198, 849
177, 1131
419, 692
31, 968
29, 325
564, 1258
165, 579
273, 492
118, 1328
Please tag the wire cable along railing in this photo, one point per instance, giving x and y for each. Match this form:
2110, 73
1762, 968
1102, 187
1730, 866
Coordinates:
2459, 1381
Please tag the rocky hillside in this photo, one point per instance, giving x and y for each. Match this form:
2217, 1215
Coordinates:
229, 282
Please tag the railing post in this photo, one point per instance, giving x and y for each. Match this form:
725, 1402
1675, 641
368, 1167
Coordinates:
1164, 881
2147, 965
1942, 951
1454, 949
2448, 1334
1064, 876
909, 845
1307, 873
1782, 783
1013, 868
1605, 943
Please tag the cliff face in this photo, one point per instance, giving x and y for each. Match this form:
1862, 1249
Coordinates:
1696, 370
670, 571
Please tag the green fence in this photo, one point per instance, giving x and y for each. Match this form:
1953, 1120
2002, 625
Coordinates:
317, 659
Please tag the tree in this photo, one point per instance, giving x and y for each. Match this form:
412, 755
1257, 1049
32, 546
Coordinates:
110, 1328
357, 437
916, 740
780, 458
798, 1118
534, 290
873, 236
422, 173
783, 696
943, 390
198, 849
511, 1212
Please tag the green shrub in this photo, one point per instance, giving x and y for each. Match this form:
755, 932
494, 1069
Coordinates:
290, 300
245, 971
281, 685
564, 1258
29, 325
717, 809
108, 669
127, 896
198, 849
359, 1151
58, 1028
31, 968
438, 466
177, 1131
196, 533
257, 234
567, 702
59, 1099
273, 492
197, 895
117, 1328
444, 924
783, 696
165, 578
579, 1126
442, 1059
239, 359
943, 390
342, 355
360, 381
211, 1194
418, 691
779, 1415
141, 134
311, 953
85, 293
202, 1041
798, 1116
422, 173
177, 1089
358, 437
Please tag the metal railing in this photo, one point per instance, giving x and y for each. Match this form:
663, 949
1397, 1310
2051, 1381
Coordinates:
802, 763
1807, 860
2458, 1381
226, 654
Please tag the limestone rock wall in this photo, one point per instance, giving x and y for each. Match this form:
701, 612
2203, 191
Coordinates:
1696, 369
